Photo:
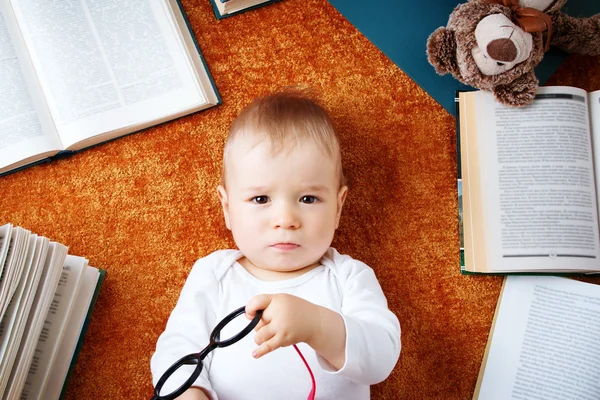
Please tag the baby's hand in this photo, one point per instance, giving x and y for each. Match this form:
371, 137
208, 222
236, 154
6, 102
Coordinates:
194, 393
286, 320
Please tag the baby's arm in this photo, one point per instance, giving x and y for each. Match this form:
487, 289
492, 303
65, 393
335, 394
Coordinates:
187, 331
288, 320
329, 341
372, 345
362, 343
194, 393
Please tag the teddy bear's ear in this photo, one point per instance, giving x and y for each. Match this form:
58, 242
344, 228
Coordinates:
441, 51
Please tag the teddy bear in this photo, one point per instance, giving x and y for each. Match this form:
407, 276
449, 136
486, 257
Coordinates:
494, 45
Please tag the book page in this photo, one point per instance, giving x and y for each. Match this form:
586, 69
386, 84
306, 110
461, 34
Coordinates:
20, 310
54, 325
13, 270
25, 350
540, 191
26, 132
13, 321
473, 172
72, 336
546, 341
44, 294
232, 6
106, 65
5, 233
594, 102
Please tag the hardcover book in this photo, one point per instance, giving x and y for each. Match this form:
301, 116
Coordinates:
229, 8
76, 74
528, 200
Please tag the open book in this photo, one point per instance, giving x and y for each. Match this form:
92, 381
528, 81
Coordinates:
528, 192
46, 300
228, 8
544, 342
75, 74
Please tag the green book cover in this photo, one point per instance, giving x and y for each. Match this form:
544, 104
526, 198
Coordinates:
218, 14
101, 277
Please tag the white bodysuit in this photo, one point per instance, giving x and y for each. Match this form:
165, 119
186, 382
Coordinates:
218, 284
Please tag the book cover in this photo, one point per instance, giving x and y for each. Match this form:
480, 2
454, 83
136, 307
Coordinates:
101, 277
400, 30
189, 27
218, 14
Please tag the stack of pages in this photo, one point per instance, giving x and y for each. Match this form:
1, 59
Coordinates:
46, 298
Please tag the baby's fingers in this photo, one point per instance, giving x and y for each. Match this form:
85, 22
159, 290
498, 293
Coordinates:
256, 303
267, 347
263, 334
259, 326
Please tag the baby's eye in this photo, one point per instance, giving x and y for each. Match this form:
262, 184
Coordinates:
308, 199
260, 199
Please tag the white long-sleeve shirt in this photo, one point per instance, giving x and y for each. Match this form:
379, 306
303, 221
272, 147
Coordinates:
218, 284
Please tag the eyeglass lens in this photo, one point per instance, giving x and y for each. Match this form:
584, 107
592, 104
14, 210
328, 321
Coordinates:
184, 381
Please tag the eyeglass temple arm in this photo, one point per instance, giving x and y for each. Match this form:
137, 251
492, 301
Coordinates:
313, 390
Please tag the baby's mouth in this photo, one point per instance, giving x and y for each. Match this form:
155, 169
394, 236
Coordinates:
285, 246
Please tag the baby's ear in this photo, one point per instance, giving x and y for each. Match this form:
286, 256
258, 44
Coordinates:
441, 51
341, 198
222, 193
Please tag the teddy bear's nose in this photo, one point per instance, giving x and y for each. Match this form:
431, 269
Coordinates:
502, 50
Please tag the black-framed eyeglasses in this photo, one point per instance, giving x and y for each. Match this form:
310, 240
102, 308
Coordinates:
215, 342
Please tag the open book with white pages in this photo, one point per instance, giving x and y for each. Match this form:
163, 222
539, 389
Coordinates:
529, 195
76, 74
544, 342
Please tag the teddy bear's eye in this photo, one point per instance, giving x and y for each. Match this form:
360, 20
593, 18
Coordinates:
500, 64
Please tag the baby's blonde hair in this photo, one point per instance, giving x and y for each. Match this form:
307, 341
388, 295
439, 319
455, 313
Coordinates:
286, 117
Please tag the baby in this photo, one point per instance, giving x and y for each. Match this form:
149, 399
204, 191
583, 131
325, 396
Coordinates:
282, 191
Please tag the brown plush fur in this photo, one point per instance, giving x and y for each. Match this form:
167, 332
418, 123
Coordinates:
449, 49
576, 35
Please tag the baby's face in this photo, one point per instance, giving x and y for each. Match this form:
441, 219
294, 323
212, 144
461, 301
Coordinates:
282, 209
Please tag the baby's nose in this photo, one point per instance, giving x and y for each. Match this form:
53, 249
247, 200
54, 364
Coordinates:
285, 217
502, 50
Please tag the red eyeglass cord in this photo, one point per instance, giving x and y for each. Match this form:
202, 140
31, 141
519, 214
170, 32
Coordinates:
313, 391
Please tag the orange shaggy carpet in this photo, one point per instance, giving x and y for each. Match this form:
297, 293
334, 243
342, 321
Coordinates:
144, 207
